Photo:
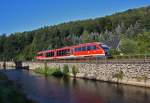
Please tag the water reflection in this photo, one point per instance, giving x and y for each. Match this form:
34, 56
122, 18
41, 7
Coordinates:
56, 90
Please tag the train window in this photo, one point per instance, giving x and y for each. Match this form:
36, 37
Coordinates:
84, 48
50, 54
89, 48
47, 54
63, 52
67, 51
93, 47
58, 53
78, 49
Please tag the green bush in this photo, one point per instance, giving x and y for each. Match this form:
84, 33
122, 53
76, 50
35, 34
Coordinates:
114, 52
57, 72
128, 46
50, 71
119, 75
66, 70
39, 70
74, 70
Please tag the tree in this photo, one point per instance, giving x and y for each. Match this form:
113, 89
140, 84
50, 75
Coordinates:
74, 71
85, 37
128, 46
66, 70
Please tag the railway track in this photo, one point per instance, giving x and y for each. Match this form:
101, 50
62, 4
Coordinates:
100, 61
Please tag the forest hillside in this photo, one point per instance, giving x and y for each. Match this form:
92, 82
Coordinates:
125, 32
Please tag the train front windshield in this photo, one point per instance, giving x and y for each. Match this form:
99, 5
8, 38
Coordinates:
105, 47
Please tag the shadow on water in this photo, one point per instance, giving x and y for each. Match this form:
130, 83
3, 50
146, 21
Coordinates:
69, 90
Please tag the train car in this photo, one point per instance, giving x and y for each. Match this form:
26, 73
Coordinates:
78, 51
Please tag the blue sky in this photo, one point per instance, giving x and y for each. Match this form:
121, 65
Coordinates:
26, 15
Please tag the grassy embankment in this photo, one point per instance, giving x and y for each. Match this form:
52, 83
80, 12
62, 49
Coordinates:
10, 93
57, 71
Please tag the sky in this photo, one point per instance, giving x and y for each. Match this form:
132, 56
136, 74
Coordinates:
26, 15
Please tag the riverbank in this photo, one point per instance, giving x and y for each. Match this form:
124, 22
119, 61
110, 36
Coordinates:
10, 93
131, 72
137, 74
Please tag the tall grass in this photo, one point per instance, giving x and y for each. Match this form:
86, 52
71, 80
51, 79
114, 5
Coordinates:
55, 71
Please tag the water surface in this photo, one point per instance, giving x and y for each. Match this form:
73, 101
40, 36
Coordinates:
55, 90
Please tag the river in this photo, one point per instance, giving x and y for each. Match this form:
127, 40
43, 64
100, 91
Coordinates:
58, 90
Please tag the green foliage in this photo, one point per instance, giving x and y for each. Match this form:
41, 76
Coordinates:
74, 70
114, 52
85, 37
128, 46
66, 70
42, 71
143, 41
58, 73
55, 71
119, 75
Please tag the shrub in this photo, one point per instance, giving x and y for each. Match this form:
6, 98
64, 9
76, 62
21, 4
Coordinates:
66, 70
39, 70
74, 70
119, 76
114, 52
57, 72
128, 46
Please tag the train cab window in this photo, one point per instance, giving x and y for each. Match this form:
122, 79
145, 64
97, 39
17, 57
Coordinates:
105, 47
84, 48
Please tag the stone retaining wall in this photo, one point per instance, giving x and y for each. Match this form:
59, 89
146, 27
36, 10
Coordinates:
135, 74
127, 73
8, 64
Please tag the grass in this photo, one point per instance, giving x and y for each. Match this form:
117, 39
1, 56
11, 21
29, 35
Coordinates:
74, 71
10, 93
57, 71
50, 71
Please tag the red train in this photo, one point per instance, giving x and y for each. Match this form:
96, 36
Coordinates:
94, 49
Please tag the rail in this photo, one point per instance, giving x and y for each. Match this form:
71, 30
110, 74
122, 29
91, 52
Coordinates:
102, 61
